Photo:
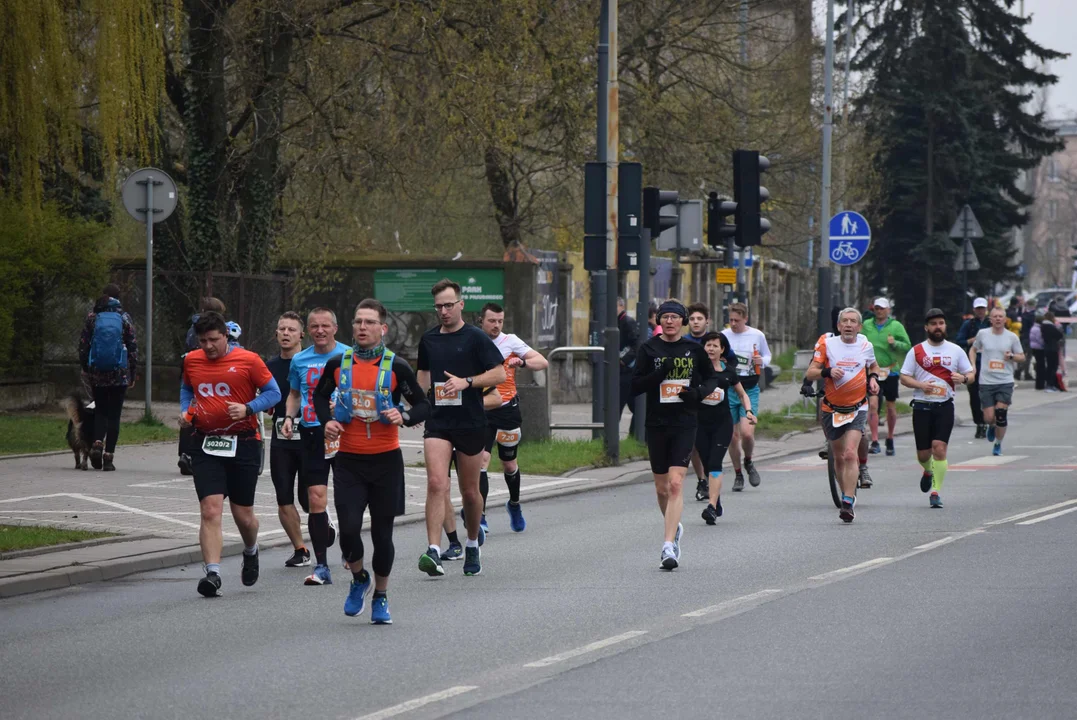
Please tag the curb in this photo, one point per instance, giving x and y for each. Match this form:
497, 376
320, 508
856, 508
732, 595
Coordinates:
34, 552
47, 453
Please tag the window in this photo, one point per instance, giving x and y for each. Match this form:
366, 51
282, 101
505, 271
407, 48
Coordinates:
1052, 171
1052, 210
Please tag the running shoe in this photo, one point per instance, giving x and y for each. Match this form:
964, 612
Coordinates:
320, 576
430, 563
300, 558
669, 559
482, 535
472, 561
824, 453
874, 449
991, 433
997, 450
701, 490
357, 593
210, 585
753, 474
846, 513
890, 447
710, 514
981, 432
97, 453
738, 482
454, 552
483, 525
249, 574
677, 541
516, 516
864, 480
935, 501
185, 464
718, 506
379, 611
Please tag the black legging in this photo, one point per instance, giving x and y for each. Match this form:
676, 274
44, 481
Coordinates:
1041, 369
1050, 359
712, 442
381, 534
974, 401
108, 406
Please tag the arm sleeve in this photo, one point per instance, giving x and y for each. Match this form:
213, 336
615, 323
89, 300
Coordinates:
327, 385
84, 342
424, 358
408, 385
902, 343
267, 398
186, 391
764, 349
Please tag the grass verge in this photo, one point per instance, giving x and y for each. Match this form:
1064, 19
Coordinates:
554, 457
25, 537
27, 433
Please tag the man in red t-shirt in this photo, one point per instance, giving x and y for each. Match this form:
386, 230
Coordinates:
219, 399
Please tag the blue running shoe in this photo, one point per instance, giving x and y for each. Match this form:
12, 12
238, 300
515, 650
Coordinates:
356, 600
472, 561
935, 500
455, 552
320, 576
483, 525
482, 535
997, 450
379, 611
516, 516
991, 433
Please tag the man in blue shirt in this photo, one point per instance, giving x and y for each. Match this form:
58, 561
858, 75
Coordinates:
306, 370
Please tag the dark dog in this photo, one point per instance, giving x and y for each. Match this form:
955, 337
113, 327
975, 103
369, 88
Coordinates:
79, 430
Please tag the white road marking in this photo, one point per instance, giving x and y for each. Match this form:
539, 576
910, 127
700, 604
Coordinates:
418, 702
991, 460
1052, 516
729, 604
806, 461
937, 543
136, 511
163, 483
851, 568
1043, 447
597, 645
1030, 513
33, 497
1065, 470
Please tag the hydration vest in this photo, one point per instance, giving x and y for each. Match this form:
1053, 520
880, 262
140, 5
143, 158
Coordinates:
344, 410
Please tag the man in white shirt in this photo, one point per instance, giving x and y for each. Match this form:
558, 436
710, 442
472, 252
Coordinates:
1000, 350
753, 354
932, 369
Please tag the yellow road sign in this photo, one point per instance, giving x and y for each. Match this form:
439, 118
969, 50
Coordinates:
725, 276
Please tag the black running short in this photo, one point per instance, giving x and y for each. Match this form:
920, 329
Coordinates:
504, 418
469, 442
315, 465
234, 477
369, 481
285, 465
669, 447
712, 443
888, 388
932, 422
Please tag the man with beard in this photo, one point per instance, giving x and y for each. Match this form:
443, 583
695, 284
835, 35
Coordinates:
932, 369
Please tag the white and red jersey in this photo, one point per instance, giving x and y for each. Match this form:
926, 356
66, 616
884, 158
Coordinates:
935, 364
854, 359
510, 346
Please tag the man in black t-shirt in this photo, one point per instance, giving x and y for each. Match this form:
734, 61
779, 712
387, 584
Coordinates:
456, 361
676, 375
286, 455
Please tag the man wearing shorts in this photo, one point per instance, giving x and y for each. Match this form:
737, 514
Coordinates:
306, 371
218, 399
847, 364
456, 361
676, 374
368, 471
932, 369
285, 455
997, 352
753, 354
891, 344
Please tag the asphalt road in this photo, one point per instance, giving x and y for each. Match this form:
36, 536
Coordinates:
960, 612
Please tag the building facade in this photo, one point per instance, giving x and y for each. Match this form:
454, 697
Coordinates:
1045, 244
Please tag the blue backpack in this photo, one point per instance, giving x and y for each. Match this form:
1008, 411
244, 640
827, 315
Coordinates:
107, 351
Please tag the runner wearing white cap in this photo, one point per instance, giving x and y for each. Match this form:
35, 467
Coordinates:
891, 343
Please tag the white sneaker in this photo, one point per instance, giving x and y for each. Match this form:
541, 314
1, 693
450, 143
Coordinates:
669, 559
677, 541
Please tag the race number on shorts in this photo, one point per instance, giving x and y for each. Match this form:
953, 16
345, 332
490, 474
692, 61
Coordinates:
509, 438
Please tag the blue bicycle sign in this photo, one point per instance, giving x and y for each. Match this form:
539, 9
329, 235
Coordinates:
850, 236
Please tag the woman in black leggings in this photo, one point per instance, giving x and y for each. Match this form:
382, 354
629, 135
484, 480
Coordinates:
715, 429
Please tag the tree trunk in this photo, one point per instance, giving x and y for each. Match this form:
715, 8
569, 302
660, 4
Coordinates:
503, 195
929, 224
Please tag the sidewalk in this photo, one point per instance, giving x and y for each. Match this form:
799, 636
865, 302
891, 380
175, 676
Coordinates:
154, 509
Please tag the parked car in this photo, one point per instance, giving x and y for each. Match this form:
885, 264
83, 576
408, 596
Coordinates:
1044, 298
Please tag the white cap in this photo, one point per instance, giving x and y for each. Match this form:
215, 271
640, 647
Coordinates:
979, 303
881, 302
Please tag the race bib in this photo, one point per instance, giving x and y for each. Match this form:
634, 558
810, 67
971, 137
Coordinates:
935, 390
331, 448
279, 425
220, 445
996, 365
445, 397
670, 390
744, 365
364, 406
884, 371
509, 438
840, 419
715, 397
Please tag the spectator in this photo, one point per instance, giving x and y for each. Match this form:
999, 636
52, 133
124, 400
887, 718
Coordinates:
1028, 322
1035, 344
1052, 346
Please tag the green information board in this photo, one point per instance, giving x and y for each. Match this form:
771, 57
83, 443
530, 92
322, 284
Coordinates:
407, 289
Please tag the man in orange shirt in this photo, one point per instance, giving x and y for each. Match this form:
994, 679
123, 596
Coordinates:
847, 362
218, 398
369, 469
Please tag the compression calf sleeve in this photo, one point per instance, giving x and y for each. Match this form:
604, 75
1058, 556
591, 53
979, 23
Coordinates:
939, 469
925, 464
512, 481
484, 487
318, 527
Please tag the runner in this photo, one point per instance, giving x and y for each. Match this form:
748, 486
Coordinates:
966, 335
368, 471
676, 374
456, 361
1001, 350
891, 344
307, 368
753, 354
186, 436
699, 320
286, 454
715, 429
847, 362
932, 368
217, 399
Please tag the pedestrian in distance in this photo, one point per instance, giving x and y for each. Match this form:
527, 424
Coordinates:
1035, 344
965, 337
108, 355
753, 356
628, 329
1053, 340
1001, 353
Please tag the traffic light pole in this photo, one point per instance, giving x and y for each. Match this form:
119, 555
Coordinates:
826, 292
605, 303
643, 307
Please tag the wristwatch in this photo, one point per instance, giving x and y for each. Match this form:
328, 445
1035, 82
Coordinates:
470, 381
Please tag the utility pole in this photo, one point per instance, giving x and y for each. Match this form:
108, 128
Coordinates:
826, 292
598, 278
849, 298
606, 387
731, 249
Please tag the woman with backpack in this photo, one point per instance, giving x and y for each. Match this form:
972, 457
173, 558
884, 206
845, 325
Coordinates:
108, 354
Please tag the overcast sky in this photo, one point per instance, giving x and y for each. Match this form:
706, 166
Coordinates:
1053, 27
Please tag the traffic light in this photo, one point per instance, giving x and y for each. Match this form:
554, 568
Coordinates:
653, 202
718, 230
1074, 256
748, 165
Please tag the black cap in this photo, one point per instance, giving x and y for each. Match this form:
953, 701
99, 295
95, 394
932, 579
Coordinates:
934, 313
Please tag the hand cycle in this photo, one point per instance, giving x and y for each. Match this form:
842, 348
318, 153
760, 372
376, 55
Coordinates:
832, 477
